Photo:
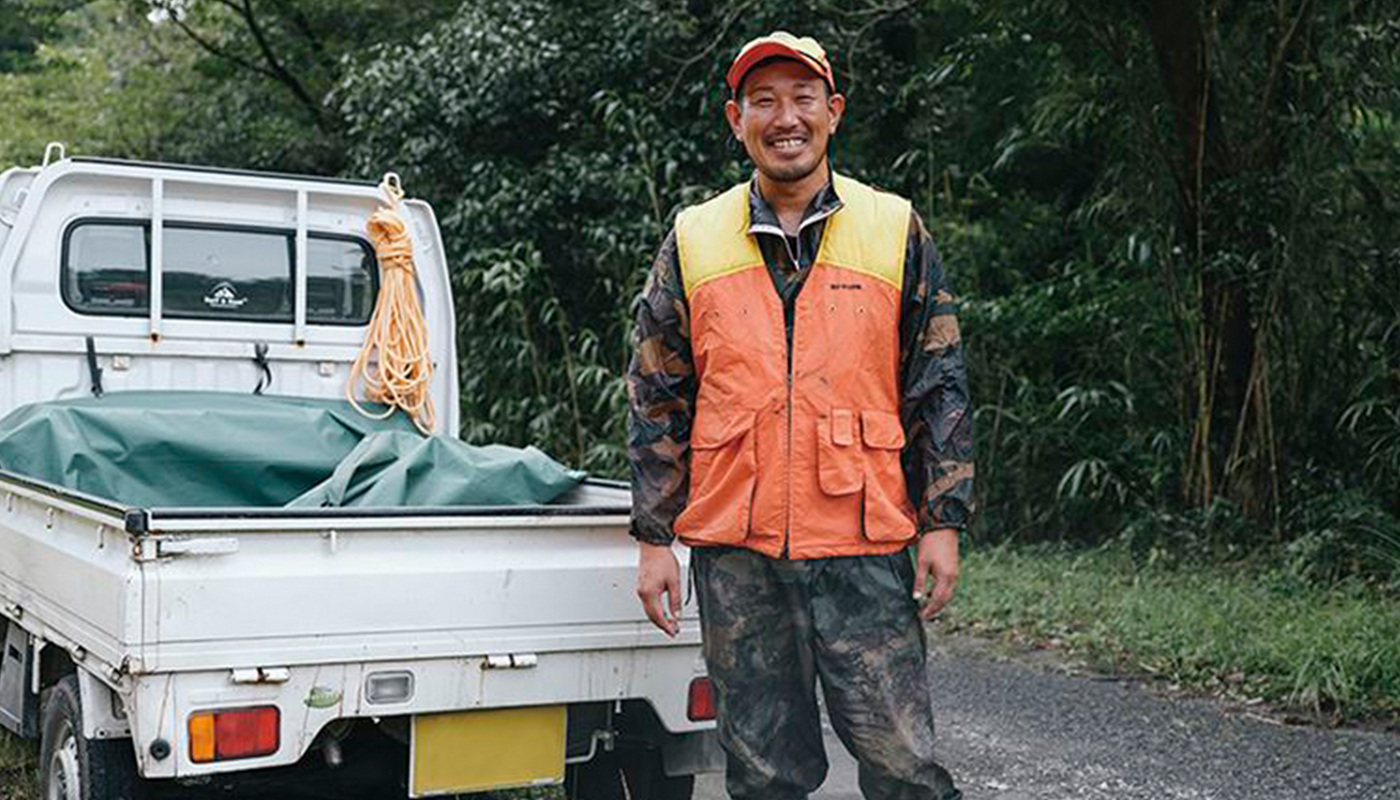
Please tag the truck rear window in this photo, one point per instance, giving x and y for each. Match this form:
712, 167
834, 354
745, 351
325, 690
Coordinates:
213, 272
228, 274
340, 280
105, 269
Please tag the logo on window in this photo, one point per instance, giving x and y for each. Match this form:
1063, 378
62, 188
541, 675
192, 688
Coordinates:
224, 297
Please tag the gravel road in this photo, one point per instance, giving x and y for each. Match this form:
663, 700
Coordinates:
1028, 729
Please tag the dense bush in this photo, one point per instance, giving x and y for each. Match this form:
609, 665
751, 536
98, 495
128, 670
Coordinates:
1174, 229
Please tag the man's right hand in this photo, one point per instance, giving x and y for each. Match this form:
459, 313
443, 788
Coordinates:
658, 573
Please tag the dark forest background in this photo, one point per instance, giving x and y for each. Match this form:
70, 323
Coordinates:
1174, 224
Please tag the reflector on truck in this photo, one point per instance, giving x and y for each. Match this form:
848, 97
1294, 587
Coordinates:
700, 704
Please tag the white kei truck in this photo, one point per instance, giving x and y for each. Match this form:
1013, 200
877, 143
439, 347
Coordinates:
340, 652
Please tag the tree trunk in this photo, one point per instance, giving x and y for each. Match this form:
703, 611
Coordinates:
1231, 452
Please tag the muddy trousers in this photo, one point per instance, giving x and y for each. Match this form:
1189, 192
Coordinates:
773, 629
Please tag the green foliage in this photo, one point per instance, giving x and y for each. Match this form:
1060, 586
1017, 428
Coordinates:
1281, 639
1086, 274
263, 73
24, 26
100, 83
1195, 369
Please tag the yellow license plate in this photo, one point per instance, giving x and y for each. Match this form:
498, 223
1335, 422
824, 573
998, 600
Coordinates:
477, 751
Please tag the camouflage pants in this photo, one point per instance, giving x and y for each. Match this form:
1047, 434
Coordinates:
773, 627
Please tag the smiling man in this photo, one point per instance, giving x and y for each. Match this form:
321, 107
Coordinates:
799, 417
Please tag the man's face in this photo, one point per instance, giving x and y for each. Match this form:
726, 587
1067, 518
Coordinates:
785, 119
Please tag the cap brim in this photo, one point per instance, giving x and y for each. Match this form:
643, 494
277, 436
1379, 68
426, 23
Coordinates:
766, 50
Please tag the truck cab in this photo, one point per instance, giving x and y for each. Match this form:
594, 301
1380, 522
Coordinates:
185, 277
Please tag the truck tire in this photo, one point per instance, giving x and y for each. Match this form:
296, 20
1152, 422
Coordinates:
628, 773
72, 767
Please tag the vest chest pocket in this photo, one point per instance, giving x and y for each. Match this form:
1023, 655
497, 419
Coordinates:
839, 459
723, 473
887, 515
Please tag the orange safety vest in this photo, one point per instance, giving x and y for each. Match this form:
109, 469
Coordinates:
806, 464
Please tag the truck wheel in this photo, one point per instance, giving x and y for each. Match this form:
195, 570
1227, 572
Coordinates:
72, 767
628, 773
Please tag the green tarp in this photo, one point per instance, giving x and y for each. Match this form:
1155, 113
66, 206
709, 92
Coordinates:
213, 449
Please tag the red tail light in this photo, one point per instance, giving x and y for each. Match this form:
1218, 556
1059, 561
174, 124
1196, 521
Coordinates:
702, 700
236, 733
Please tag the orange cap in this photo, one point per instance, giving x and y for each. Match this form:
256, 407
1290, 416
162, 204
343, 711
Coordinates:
780, 44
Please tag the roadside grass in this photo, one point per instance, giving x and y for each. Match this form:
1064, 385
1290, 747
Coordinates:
18, 762
1249, 633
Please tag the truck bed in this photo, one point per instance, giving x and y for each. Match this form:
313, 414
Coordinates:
167, 588
314, 586
168, 603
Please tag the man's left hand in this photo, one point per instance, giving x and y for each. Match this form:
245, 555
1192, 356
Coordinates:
936, 573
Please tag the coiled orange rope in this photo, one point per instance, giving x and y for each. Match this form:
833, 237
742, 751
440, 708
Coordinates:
401, 372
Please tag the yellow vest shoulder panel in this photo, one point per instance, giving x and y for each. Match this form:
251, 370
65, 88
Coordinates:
869, 233
712, 238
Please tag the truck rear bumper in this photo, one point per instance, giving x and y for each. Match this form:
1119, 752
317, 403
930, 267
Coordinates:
309, 698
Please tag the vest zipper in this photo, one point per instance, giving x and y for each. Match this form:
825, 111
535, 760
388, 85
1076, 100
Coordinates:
787, 353
787, 462
791, 347
788, 348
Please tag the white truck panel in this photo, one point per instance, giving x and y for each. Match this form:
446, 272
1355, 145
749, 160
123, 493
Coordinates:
164, 701
69, 579
424, 580
14, 188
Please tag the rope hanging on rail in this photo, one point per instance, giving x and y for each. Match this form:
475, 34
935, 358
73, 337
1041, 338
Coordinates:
394, 364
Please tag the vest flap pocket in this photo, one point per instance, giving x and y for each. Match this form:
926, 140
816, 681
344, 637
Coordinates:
723, 474
881, 430
887, 516
840, 465
714, 430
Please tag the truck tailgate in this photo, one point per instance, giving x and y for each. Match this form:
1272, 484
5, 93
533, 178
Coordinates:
353, 588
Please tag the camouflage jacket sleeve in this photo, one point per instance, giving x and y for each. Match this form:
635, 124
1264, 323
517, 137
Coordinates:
661, 390
934, 405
